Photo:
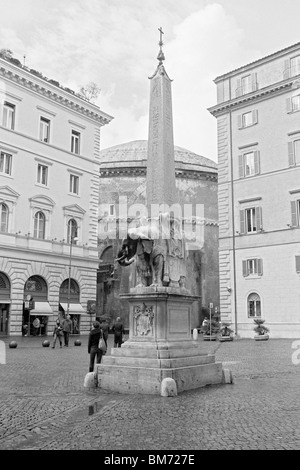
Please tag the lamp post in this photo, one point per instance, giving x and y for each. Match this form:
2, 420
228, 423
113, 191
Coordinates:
73, 240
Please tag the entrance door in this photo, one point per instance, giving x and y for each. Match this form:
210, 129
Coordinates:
4, 315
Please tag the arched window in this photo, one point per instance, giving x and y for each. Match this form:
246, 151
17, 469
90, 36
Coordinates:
4, 217
254, 305
72, 230
39, 225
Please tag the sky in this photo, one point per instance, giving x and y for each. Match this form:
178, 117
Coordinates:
114, 43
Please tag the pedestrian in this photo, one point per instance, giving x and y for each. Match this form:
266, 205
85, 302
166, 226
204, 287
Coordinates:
67, 327
105, 330
57, 334
93, 345
36, 325
118, 330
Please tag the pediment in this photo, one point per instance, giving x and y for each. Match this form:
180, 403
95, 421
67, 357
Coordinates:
74, 209
7, 192
42, 200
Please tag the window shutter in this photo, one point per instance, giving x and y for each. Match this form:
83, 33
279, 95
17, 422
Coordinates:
259, 266
240, 121
241, 166
245, 270
287, 69
289, 105
256, 162
254, 82
242, 221
291, 153
238, 91
294, 213
258, 218
297, 264
255, 116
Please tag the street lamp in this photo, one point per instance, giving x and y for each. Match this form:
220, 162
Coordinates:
73, 240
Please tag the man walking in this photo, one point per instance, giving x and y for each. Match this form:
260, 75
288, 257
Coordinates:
67, 327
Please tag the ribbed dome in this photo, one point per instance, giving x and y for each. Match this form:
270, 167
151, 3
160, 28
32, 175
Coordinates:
134, 153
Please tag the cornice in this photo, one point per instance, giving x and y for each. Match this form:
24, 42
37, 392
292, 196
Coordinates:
57, 97
259, 95
142, 171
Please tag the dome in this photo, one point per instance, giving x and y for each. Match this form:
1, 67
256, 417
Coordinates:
134, 154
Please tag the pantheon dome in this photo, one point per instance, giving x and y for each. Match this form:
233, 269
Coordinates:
123, 179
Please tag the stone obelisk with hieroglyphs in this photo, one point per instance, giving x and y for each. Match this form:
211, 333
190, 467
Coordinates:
161, 188
160, 344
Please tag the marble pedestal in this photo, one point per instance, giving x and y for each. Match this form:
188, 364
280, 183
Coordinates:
160, 345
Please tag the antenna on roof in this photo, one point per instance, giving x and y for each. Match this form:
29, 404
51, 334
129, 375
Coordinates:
24, 57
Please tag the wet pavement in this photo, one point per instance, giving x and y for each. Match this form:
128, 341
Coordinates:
44, 405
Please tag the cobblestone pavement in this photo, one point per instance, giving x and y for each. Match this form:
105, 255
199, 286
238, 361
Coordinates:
43, 404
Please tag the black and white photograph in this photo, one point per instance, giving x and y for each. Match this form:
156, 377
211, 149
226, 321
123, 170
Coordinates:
149, 228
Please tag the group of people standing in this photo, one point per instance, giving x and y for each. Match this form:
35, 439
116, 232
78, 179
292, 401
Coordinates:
62, 330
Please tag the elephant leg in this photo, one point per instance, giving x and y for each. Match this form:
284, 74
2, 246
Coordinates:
158, 265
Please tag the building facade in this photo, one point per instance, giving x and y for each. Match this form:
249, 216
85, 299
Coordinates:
49, 191
258, 121
123, 195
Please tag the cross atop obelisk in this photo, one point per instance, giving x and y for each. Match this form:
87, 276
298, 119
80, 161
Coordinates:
161, 187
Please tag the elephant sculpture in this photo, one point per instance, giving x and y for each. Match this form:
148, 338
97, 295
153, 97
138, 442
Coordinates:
158, 254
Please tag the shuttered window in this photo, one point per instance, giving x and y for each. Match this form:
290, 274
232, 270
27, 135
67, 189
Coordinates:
252, 267
297, 264
249, 164
246, 84
251, 220
295, 211
247, 119
293, 104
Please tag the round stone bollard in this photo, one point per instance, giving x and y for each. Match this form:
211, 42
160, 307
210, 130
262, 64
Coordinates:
13, 344
195, 334
46, 343
77, 342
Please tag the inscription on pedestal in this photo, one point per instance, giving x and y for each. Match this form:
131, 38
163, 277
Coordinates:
143, 316
178, 321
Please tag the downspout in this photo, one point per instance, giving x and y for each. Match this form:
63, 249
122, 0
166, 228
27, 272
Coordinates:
232, 212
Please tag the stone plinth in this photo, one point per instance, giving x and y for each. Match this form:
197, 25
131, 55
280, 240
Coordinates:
160, 345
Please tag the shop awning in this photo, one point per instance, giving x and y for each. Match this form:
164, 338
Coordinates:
41, 308
74, 309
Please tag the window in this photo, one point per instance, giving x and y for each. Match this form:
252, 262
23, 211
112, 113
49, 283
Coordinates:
294, 152
250, 220
4, 218
111, 209
39, 225
8, 119
295, 65
254, 305
293, 104
72, 230
252, 267
249, 164
5, 163
44, 129
297, 258
295, 211
247, 119
74, 184
246, 84
42, 174
75, 142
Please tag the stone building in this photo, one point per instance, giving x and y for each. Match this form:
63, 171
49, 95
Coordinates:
49, 190
258, 111
123, 181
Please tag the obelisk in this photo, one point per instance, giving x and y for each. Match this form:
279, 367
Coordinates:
160, 344
161, 187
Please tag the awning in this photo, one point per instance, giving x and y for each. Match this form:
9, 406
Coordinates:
41, 308
74, 309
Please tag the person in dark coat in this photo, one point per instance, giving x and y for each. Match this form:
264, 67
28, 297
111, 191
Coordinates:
93, 345
67, 327
118, 330
57, 334
105, 330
